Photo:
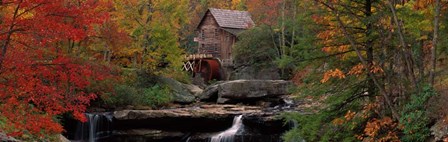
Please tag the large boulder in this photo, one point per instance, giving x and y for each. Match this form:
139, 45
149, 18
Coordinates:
240, 90
209, 93
440, 130
182, 93
243, 90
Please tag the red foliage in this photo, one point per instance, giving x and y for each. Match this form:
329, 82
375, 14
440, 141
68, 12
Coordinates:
37, 80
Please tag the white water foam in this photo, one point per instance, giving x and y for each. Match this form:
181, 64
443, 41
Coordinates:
229, 134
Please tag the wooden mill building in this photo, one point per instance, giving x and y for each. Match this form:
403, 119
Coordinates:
217, 32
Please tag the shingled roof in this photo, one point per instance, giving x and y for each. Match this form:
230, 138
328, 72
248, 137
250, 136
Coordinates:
232, 18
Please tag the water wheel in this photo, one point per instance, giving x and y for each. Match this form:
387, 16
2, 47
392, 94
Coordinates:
209, 69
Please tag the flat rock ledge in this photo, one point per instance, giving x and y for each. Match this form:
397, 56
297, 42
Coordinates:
203, 111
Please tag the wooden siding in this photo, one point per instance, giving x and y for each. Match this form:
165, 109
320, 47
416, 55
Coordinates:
213, 40
208, 40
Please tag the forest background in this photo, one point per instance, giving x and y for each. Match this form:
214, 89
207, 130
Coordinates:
377, 68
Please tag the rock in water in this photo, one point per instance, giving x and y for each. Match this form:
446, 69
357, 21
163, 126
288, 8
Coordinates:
229, 134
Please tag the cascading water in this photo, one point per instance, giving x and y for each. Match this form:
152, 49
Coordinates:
99, 125
229, 134
93, 120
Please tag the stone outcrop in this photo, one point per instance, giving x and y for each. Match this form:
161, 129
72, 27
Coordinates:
63, 139
182, 93
440, 130
199, 122
210, 93
196, 120
227, 91
241, 90
203, 111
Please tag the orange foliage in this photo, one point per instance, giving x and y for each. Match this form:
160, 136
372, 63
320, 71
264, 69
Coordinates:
421, 4
336, 73
347, 117
356, 70
372, 131
376, 68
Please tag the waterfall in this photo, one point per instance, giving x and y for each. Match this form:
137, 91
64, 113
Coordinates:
188, 139
98, 125
93, 124
229, 134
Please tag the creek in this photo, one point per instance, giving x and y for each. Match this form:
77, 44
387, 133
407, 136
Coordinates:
231, 111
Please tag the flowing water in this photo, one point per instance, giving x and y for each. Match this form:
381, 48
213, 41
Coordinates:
98, 125
229, 134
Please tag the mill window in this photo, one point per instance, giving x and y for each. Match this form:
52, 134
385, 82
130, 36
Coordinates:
202, 34
216, 33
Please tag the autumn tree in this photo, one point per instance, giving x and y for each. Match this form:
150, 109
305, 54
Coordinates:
374, 66
154, 27
40, 81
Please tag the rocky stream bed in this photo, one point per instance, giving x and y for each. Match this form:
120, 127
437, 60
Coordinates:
231, 111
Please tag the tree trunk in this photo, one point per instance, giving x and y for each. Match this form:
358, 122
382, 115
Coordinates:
434, 42
134, 60
294, 18
363, 61
146, 38
8, 37
283, 39
369, 47
405, 51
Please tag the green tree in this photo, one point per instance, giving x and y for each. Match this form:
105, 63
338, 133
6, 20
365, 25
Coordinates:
373, 63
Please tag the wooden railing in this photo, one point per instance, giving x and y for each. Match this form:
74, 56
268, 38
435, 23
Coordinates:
198, 56
224, 62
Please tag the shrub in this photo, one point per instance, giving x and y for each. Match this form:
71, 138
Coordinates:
415, 119
128, 95
155, 96
137, 88
123, 95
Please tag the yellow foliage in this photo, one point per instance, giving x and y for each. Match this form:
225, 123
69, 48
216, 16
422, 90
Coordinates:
420, 4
